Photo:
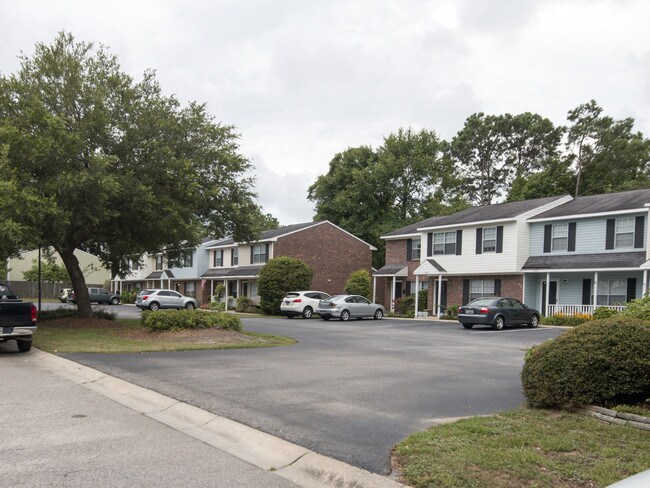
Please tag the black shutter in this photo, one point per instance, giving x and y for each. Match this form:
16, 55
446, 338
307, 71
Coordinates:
222, 263
214, 259
586, 291
499, 238
497, 287
430, 244
409, 249
572, 237
638, 232
408, 288
266, 253
465, 292
631, 289
548, 229
232, 257
479, 240
609, 237
459, 242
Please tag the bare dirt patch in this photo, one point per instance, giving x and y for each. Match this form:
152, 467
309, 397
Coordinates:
80, 323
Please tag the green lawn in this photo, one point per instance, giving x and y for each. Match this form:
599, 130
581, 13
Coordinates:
128, 336
523, 448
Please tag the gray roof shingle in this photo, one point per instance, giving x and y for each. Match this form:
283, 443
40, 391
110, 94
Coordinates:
413, 228
587, 261
239, 272
267, 235
608, 202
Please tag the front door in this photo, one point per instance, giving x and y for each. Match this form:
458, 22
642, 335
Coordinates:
552, 296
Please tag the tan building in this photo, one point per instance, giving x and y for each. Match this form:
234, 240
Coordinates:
91, 267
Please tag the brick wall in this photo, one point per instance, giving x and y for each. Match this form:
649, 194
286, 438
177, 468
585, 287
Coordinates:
511, 286
331, 253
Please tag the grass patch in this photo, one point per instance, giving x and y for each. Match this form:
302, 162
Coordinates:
72, 335
526, 447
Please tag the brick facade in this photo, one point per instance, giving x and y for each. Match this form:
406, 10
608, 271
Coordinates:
331, 253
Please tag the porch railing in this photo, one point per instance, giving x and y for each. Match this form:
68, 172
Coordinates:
582, 309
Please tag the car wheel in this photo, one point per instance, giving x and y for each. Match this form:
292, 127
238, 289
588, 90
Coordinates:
189, 306
115, 301
468, 326
153, 306
326, 318
307, 312
534, 321
378, 314
499, 323
345, 315
24, 346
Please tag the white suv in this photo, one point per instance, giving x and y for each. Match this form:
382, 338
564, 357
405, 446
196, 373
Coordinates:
301, 303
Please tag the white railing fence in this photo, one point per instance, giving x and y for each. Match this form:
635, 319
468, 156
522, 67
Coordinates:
582, 309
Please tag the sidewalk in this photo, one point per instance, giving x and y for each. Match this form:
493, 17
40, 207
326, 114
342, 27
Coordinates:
64, 424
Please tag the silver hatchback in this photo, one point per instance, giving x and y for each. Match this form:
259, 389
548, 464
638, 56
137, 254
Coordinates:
156, 299
346, 307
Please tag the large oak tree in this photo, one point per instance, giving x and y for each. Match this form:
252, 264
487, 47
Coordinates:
93, 159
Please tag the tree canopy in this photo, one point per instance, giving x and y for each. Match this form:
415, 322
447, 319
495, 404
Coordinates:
92, 159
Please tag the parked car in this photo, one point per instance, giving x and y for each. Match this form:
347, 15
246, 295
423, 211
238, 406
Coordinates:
302, 303
156, 299
17, 319
345, 307
65, 295
497, 312
99, 295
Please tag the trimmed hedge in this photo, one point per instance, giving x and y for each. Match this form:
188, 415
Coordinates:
162, 320
566, 319
603, 362
61, 313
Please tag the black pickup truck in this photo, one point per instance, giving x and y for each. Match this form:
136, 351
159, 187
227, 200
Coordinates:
17, 319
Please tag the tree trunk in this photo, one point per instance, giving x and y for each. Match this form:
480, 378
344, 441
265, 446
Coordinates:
78, 282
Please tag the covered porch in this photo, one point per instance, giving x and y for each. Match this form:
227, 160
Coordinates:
393, 275
241, 281
431, 270
577, 285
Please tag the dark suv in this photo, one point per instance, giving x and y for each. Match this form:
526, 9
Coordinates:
101, 295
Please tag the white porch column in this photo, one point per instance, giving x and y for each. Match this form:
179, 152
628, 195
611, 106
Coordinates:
225, 284
523, 288
211, 289
644, 291
392, 294
595, 289
374, 289
417, 294
439, 306
161, 282
548, 292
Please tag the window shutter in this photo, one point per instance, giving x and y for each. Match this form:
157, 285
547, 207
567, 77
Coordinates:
497, 287
609, 236
548, 229
638, 232
222, 257
499, 238
430, 244
631, 289
465, 292
232, 257
409, 249
586, 291
266, 252
479, 240
572, 237
408, 288
459, 242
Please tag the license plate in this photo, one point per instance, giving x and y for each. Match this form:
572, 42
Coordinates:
469, 312
287, 302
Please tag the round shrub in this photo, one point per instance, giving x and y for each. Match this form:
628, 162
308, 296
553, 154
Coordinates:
602, 362
279, 276
189, 319
359, 283
604, 313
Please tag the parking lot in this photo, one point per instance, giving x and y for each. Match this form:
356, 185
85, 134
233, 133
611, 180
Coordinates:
349, 390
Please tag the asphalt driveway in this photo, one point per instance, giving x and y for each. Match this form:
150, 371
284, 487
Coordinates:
349, 390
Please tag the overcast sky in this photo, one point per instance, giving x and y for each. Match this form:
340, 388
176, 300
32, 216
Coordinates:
302, 80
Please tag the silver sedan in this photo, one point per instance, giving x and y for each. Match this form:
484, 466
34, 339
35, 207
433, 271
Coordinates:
346, 307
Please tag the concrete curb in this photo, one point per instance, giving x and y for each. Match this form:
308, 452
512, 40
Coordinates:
295, 463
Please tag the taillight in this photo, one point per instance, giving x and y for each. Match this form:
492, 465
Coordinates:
461, 310
484, 310
332, 304
145, 297
34, 313
297, 300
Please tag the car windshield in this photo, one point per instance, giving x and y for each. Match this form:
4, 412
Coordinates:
481, 302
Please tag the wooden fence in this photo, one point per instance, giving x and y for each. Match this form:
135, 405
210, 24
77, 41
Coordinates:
29, 289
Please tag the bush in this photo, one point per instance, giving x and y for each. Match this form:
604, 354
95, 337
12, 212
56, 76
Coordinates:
639, 308
189, 319
604, 313
359, 283
129, 296
244, 304
277, 277
405, 305
566, 319
422, 299
603, 362
61, 313
451, 313
102, 313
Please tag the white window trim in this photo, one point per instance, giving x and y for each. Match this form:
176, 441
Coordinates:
486, 291
557, 238
447, 239
618, 233
605, 290
493, 248
416, 251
